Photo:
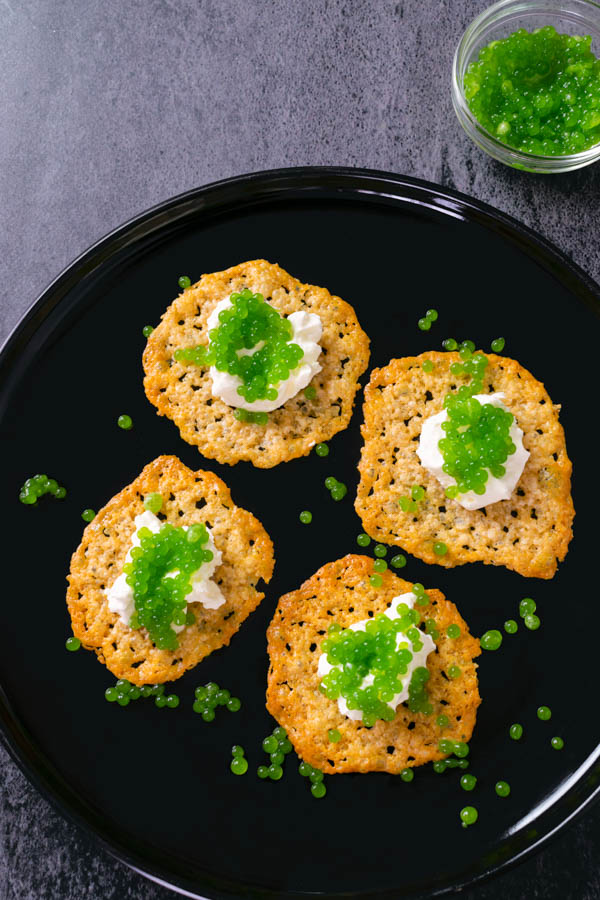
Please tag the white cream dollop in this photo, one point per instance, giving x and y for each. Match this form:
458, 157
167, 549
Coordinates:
419, 658
495, 488
306, 332
204, 589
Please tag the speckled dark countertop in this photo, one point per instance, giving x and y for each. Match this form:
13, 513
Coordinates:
112, 107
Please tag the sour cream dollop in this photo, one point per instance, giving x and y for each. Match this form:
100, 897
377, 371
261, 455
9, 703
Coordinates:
419, 658
495, 488
204, 589
306, 332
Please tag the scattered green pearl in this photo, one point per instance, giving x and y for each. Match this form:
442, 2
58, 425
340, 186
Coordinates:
161, 701
498, 345
184, 281
510, 626
375, 581
237, 750
88, 515
363, 540
424, 324
417, 492
111, 694
125, 422
316, 776
427, 366
310, 393
280, 733
263, 771
453, 631
516, 731
380, 550
442, 721
468, 782
277, 758
275, 772
239, 765
147, 330
454, 672
270, 744
379, 565
526, 607
557, 743
532, 622
440, 766
502, 788
322, 450
334, 735
407, 775
72, 644
234, 704
491, 640
398, 561
305, 769
432, 314
440, 548
305, 517
449, 344
318, 790
172, 701
460, 749
544, 713
153, 503
468, 816
37, 487
339, 491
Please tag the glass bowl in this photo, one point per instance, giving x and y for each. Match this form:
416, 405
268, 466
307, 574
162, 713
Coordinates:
498, 21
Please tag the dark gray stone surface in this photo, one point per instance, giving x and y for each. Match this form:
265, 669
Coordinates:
110, 107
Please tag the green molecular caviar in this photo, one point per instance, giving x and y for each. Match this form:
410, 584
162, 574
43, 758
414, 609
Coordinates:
363, 540
427, 366
159, 596
407, 775
210, 696
442, 721
544, 713
557, 743
510, 626
429, 317
453, 631
322, 450
375, 581
337, 489
502, 788
125, 422
253, 418
356, 654
468, 781
277, 746
153, 503
88, 515
305, 517
72, 644
239, 763
123, 693
468, 816
454, 672
491, 640
477, 437
497, 345
440, 548
380, 550
526, 607
538, 92
380, 565
398, 561
37, 486
449, 344
310, 393
184, 281
334, 735
249, 320
532, 622
315, 776
147, 330
516, 731
411, 504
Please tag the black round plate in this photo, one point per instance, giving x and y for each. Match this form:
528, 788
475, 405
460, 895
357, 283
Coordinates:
155, 785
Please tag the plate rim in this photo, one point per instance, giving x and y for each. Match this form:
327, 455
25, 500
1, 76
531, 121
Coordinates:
276, 183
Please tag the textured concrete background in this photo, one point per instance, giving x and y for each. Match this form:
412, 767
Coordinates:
110, 107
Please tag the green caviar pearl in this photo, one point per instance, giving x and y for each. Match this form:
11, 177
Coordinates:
73, 643
310, 393
270, 744
184, 281
544, 713
445, 746
322, 450
222, 697
153, 503
375, 580
334, 735
277, 758
160, 701
439, 766
172, 701
208, 713
305, 769
135, 693
262, 772
449, 344
453, 631
516, 731
424, 324
398, 561
407, 775
363, 540
316, 776
146, 690
147, 330
318, 790
502, 788
234, 704
111, 694
454, 672
88, 514
417, 492
532, 622
122, 699
275, 772
285, 746
125, 422
527, 606
468, 782
237, 750
280, 733
440, 548
510, 626
460, 749
380, 565
468, 816
442, 721
498, 345
491, 640
380, 550
427, 366
239, 765
339, 491
60, 493
432, 314
330, 483
305, 517
557, 743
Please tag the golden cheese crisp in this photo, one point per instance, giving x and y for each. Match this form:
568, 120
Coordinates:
183, 391
528, 533
341, 592
188, 497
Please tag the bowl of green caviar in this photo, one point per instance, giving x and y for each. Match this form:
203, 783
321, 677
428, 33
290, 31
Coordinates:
526, 83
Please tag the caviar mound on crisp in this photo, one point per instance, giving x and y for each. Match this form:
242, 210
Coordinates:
181, 389
340, 592
529, 532
188, 499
